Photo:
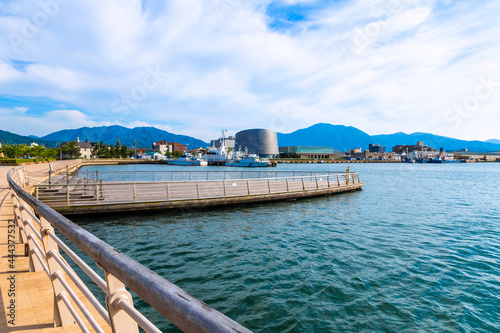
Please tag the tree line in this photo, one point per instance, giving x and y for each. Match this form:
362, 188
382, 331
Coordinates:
70, 150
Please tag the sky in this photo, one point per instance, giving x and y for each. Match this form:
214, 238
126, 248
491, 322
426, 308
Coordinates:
195, 67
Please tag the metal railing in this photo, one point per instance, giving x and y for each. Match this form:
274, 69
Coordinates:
99, 193
177, 175
38, 224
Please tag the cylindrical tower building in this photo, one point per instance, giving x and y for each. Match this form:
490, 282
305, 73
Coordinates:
262, 142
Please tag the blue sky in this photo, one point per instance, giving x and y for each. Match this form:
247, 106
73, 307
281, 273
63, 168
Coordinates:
195, 67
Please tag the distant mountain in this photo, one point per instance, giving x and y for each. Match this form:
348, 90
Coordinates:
8, 137
344, 138
495, 141
145, 136
326, 135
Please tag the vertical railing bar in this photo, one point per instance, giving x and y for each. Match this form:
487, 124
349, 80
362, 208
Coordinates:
89, 271
75, 315
88, 294
138, 317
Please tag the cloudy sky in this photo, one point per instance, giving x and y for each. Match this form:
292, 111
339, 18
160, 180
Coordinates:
198, 66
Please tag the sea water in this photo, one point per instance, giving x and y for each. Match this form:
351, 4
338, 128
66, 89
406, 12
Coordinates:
418, 249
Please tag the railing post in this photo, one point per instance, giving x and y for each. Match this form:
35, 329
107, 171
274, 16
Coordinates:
67, 194
269, 185
303, 185
287, 185
62, 315
338, 181
19, 220
34, 264
328, 180
248, 186
224, 186
97, 192
168, 193
198, 189
67, 175
317, 185
134, 193
121, 322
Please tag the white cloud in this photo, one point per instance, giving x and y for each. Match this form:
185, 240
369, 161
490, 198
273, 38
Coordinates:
381, 66
16, 121
17, 110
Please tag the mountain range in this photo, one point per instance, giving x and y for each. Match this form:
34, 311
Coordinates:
145, 136
8, 137
347, 137
321, 135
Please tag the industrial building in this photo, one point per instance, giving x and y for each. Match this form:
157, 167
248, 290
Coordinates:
263, 142
229, 142
308, 152
409, 148
376, 148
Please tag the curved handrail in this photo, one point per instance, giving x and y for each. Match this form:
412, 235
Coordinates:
182, 309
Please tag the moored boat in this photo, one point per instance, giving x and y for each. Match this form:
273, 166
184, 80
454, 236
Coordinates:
188, 159
251, 160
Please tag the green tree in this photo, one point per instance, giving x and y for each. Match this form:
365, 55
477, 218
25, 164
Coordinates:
124, 151
51, 152
38, 151
112, 151
11, 151
70, 150
103, 150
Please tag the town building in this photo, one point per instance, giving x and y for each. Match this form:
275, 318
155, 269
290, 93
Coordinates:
376, 148
85, 147
229, 142
409, 148
367, 155
163, 147
308, 152
478, 156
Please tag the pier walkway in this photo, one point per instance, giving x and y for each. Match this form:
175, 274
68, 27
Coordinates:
26, 297
106, 192
40, 291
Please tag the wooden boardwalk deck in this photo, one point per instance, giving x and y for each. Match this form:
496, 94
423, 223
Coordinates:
28, 294
76, 196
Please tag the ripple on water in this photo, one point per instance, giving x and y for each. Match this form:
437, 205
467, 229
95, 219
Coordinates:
417, 250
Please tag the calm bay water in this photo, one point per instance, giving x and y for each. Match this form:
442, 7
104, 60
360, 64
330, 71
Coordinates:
418, 249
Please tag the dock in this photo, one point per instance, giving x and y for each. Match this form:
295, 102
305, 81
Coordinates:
113, 192
40, 291
26, 297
